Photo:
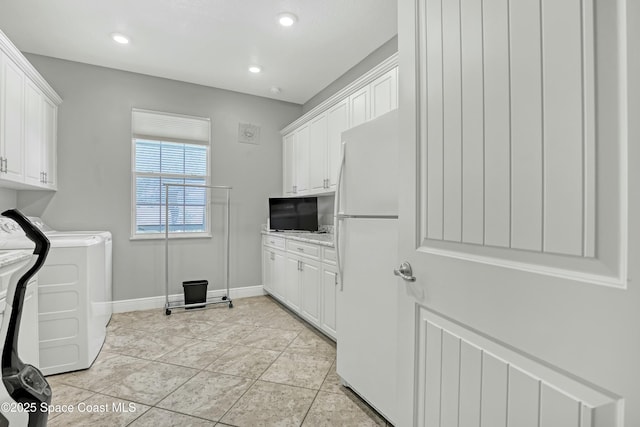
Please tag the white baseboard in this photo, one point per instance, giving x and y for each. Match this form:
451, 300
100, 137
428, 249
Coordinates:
149, 303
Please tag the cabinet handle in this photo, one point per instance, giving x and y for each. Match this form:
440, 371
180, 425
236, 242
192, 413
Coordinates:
2, 164
300, 249
41, 177
295, 188
301, 266
6, 168
46, 177
335, 279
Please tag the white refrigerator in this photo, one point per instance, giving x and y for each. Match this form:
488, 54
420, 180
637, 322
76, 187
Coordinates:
366, 224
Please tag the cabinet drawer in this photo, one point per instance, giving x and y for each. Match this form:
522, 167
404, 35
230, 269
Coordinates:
329, 255
274, 242
303, 249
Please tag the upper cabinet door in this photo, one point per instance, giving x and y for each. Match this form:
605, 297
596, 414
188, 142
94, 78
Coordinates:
318, 154
11, 122
337, 122
33, 135
50, 144
288, 165
302, 160
384, 93
359, 106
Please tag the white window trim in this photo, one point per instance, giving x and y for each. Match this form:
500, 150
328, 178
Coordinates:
161, 236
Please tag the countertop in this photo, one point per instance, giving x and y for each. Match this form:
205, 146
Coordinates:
323, 239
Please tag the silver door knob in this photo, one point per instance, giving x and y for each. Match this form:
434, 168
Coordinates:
405, 272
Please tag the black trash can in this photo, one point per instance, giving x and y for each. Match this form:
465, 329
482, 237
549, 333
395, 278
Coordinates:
195, 291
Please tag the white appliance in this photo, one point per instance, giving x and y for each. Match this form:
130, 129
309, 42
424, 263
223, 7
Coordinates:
71, 292
366, 241
107, 297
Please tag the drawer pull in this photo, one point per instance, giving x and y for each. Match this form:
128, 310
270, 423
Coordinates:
300, 249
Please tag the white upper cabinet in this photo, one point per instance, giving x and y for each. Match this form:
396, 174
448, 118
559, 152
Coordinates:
384, 93
28, 123
11, 121
360, 106
302, 160
50, 144
312, 144
337, 122
33, 134
288, 163
318, 153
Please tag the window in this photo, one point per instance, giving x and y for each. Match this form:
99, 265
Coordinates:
165, 152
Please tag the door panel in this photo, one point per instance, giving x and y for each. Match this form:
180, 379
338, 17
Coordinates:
337, 122
530, 309
317, 153
310, 280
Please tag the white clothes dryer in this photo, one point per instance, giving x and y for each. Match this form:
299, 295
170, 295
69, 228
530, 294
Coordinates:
71, 296
108, 258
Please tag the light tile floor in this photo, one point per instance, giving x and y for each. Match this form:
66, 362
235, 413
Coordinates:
253, 365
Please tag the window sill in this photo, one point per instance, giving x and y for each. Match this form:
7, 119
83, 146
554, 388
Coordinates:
172, 236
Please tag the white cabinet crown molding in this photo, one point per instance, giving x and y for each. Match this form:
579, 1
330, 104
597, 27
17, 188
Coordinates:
359, 83
18, 58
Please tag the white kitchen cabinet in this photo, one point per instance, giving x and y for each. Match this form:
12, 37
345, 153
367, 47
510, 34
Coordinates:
384, 93
359, 106
28, 123
11, 121
289, 165
291, 291
317, 135
273, 271
295, 160
301, 150
303, 287
318, 154
33, 134
337, 122
50, 144
302, 278
310, 286
329, 299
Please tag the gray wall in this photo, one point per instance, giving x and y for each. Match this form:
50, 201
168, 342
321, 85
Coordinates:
373, 59
94, 172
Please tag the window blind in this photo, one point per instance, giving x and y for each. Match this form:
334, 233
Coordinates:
171, 127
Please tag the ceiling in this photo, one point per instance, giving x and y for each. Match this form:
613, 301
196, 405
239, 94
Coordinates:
209, 42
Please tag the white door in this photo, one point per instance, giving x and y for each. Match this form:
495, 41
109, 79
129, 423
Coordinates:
302, 160
291, 289
288, 165
318, 153
359, 107
33, 134
337, 122
12, 121
310, 282
329, 293
279, 273
384, 93
49, 157
513, 214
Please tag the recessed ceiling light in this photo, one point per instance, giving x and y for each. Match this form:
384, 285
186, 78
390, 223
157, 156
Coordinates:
119, 38
287, 19
255, 69
275, 90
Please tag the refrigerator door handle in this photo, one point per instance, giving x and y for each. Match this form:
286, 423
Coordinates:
337, 217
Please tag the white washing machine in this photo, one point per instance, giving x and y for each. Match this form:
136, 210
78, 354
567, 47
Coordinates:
108, 258
71, 295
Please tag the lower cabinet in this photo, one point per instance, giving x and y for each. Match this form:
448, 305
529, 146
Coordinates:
273, 271
305, 285
329, 289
